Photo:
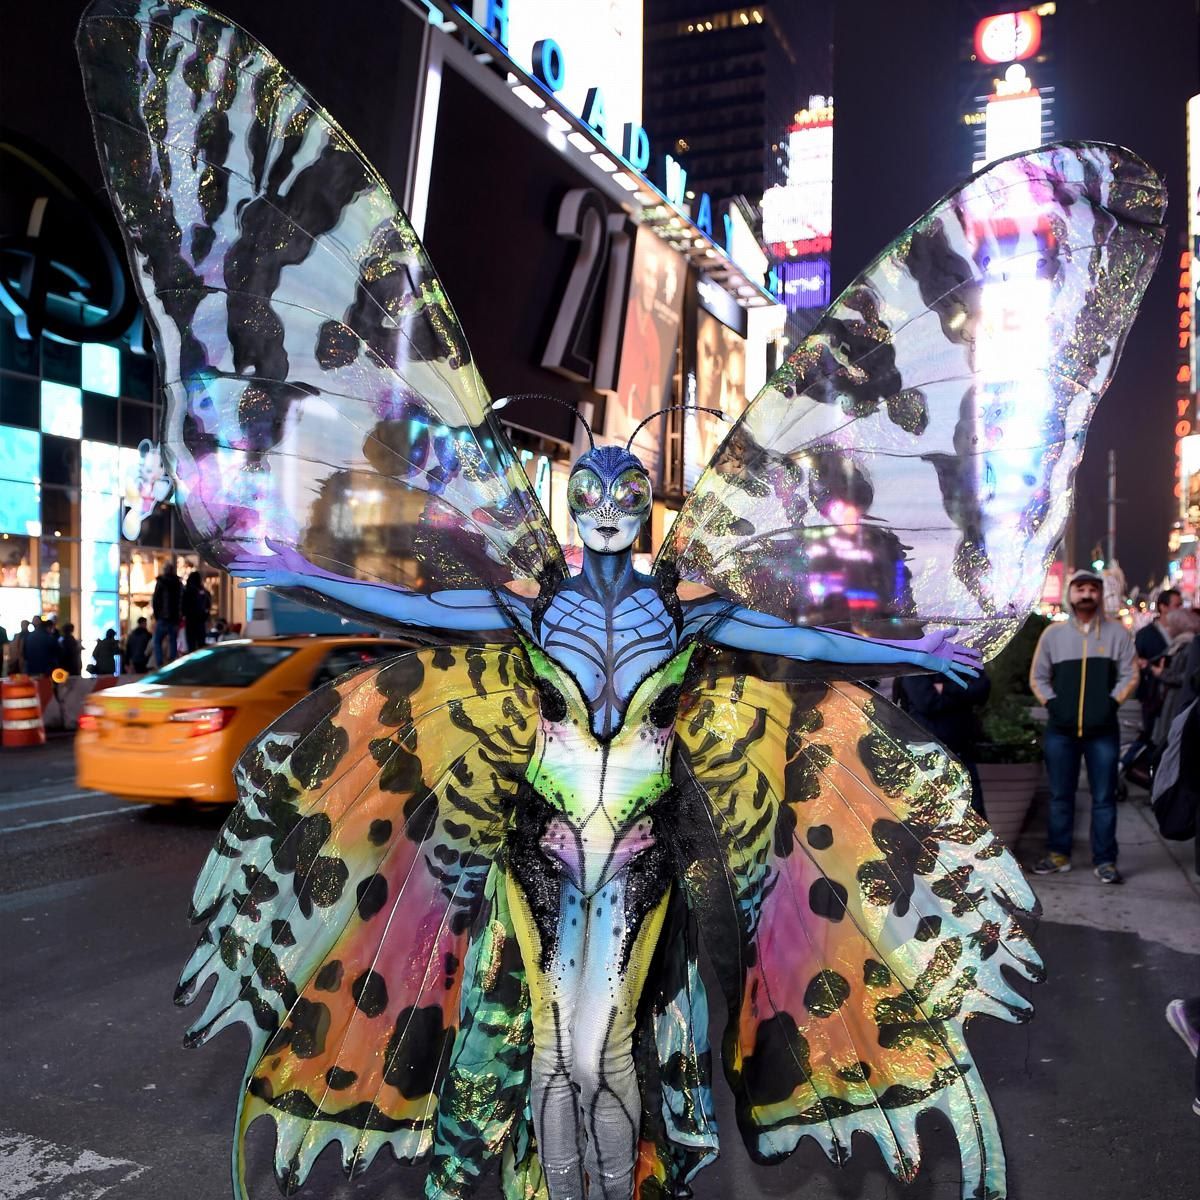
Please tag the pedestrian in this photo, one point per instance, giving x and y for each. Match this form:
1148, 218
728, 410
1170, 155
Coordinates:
41, 649
137, 648
1150, 642
3, 648
951, 714
1083, 670
105, 655
16, 654
1183, 1016
70, 656
1174, 668
196, 605
167, 606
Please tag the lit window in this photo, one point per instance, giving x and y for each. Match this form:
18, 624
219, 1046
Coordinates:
101, 368
62, 410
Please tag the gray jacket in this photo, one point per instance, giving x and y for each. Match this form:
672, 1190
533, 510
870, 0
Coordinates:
1082, 673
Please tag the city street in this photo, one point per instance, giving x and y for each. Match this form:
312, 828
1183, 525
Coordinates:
101, 1100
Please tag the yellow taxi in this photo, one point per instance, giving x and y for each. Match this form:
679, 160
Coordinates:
176, 733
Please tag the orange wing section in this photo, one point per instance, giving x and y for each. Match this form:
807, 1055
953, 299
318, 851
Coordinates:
340, 898
860, 912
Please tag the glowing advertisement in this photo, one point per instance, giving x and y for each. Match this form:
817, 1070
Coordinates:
1186, 478
805, 283
798, 215
1010, 75
653, 315
720, 384
1013, 116
1008, 37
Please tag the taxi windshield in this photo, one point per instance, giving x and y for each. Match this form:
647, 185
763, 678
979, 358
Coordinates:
221, 666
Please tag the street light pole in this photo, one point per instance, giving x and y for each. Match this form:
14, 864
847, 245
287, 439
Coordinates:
1112, 507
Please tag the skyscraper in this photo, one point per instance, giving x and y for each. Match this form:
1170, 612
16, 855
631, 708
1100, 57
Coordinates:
722, 86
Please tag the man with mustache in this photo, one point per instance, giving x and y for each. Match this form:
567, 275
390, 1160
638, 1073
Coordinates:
1083, 670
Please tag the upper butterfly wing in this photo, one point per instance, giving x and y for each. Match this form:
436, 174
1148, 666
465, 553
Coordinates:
913, 458
320, 390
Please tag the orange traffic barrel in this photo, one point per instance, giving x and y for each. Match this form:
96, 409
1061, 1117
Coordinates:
22, 713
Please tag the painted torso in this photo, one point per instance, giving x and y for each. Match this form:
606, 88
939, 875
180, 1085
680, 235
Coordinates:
602, 788
608, 641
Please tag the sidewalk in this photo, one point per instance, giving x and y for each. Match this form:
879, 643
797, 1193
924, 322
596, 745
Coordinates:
1160, 899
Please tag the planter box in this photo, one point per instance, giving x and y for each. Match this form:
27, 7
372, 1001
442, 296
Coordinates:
1008, 791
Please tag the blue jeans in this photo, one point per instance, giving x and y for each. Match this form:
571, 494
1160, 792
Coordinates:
165, 633
1063, 752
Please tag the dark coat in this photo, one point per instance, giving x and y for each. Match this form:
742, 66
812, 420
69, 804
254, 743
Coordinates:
41, 652
70, 655
104, 657
167, 602
950, 714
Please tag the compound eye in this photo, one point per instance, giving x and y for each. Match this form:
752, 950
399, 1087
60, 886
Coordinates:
584, 491
631, 491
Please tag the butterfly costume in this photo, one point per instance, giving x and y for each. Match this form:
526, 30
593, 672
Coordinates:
459, 903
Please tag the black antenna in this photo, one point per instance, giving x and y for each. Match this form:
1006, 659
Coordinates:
716, 412
543, 396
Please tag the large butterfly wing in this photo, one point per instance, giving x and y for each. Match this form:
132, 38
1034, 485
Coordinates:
856, 911
345, 895
913, 457
320, 390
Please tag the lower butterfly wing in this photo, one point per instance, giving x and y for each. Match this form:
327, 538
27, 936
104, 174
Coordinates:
857, 912
340, 899
321, 396
913, 458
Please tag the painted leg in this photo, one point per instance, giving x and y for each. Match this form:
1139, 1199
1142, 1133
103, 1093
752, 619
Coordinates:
620, 946
553, 984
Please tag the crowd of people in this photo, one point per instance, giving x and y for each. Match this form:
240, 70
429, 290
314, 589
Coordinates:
182, 622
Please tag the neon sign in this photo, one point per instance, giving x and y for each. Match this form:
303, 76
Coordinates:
1008, 37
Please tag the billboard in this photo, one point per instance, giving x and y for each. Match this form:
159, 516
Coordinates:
1008, 37
653, 316
798, 216
804, 283
721, 384
1008, 70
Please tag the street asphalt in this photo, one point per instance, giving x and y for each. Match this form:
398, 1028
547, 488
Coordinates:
100, 1100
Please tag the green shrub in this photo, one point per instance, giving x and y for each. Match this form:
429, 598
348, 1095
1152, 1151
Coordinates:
1010, 734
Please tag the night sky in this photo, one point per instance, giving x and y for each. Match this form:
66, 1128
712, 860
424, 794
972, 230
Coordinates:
1124, 73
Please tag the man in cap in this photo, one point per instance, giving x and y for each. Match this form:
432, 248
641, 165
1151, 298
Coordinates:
1083, 670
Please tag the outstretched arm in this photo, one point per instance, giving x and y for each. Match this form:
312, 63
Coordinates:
467, 609
744, 629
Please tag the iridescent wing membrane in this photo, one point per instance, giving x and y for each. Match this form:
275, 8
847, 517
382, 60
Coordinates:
320, 390
912, 460
855, 909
